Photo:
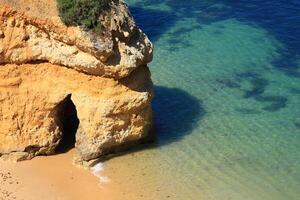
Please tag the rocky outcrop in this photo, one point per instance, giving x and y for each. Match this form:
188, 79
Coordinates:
58, 81
115, 52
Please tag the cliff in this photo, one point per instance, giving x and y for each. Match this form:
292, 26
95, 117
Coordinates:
61, 85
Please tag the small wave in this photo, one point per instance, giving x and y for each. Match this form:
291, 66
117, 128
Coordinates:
96, 171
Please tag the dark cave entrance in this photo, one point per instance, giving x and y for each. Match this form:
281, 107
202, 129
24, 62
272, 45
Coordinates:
68, 122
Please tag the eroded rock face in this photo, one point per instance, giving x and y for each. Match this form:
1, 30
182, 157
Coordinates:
114, 52
57, 80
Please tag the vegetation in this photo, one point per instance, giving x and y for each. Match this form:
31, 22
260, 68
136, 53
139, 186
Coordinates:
81, 12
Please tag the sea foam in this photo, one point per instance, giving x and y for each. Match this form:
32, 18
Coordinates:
96, 171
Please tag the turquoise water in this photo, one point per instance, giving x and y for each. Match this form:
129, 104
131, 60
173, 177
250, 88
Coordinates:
227, 76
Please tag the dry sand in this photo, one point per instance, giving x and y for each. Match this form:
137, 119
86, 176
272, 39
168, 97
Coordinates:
135, 175
52, 178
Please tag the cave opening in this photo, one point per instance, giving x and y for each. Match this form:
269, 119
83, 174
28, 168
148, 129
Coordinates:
68, 122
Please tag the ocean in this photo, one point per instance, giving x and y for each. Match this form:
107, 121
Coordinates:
227, 103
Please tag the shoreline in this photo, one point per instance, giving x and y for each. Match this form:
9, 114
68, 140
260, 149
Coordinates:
52, 178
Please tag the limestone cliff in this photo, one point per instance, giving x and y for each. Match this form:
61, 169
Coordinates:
56, 81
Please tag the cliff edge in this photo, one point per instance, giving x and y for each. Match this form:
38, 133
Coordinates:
61, 85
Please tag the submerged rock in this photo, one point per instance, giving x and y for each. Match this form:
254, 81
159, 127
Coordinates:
58, 81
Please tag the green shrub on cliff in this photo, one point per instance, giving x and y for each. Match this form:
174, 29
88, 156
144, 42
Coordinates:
81, 12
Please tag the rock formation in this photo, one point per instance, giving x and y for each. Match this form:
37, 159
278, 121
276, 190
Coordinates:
56, 81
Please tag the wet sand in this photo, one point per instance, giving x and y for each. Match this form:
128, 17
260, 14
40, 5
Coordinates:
52, 178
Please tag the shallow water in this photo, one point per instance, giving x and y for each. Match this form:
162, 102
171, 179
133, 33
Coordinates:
227, 114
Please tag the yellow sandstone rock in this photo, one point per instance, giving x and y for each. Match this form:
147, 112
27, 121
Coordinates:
115, 52
58, 81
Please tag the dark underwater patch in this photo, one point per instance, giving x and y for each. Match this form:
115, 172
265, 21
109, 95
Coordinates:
297, 123
258, 87
257, 91
295, 91
277, 102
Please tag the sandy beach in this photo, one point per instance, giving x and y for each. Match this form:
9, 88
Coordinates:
52, 178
